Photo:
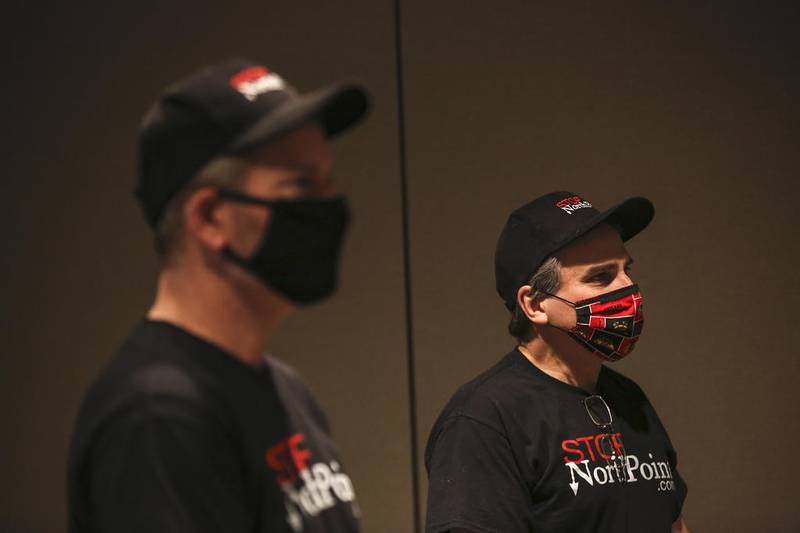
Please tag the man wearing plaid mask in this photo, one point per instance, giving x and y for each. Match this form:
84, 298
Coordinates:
550, 439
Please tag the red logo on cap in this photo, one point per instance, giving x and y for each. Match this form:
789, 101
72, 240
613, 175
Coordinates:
257, 80
248, 75
572, 203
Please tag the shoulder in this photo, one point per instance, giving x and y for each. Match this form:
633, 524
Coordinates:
162, 400
292, 388
282, 370
149, 389
141, 383
165, 381
485, 398
286, 378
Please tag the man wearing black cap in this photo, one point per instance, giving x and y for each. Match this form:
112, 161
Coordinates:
190, 427
550, 439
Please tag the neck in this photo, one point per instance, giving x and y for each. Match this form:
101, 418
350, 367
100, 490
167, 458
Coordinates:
237, 318
556, 354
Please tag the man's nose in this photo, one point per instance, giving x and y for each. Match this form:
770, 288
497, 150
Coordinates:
624, 279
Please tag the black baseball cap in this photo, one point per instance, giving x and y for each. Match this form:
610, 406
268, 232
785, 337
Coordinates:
228, 109
540, 228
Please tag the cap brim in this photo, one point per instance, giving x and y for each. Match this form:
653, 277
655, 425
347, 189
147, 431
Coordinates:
337, 108
630, 217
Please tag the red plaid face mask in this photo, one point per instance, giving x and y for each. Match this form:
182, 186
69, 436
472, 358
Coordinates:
608, 325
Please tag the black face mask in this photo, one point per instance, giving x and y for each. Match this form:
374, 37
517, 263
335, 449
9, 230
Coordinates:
299, 253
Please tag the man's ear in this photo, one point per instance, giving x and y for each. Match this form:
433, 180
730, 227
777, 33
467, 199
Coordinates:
202, 218
531, 306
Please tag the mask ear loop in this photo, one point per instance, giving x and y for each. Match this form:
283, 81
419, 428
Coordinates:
572, 304
233, 195
569, 333
559, 298
237, 196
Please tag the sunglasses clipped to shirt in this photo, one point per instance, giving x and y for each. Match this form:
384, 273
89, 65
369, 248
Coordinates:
610, 445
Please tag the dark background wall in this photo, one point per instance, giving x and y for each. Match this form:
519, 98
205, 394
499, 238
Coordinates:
693, 106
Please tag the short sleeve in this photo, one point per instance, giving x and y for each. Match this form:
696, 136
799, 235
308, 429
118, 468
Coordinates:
681, 488
165, 464
291, 385
474, 481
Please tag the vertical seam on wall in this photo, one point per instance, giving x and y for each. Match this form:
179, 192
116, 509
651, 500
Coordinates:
412, 394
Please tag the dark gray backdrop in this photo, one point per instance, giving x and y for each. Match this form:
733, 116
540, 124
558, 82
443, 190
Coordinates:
693, 106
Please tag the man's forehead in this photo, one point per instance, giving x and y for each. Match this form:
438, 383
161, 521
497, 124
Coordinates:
600, 245
304, 146
307, 135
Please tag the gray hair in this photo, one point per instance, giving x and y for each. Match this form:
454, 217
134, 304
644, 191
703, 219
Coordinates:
547, 279
223, 171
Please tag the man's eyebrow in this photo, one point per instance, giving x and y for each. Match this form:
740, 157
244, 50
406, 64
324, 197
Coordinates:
300, 178
597, 269
604, 267
302, 173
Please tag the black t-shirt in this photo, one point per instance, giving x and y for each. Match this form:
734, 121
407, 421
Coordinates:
515, 451
176, 435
